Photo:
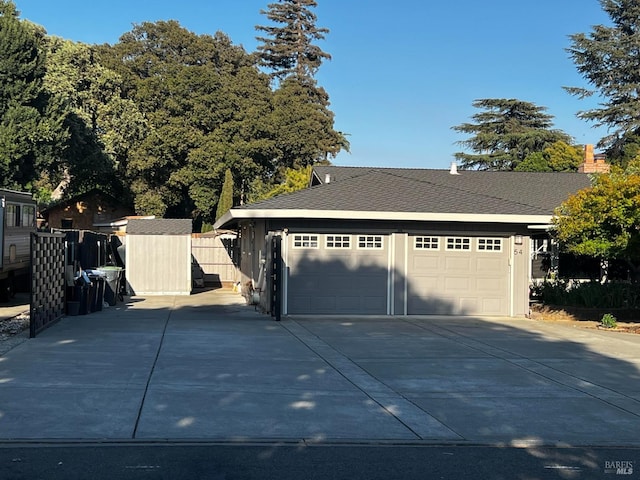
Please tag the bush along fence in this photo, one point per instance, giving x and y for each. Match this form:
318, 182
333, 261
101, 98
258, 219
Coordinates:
591, 300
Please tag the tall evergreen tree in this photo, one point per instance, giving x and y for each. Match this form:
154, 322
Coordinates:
31, 130
609, 59
505, 133
289, 49
226, 195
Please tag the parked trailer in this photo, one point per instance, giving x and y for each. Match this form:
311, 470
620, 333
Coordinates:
18, 213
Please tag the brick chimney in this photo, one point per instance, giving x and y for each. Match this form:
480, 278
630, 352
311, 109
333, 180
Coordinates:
593, 163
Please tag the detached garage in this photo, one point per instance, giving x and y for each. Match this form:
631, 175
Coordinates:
386, 241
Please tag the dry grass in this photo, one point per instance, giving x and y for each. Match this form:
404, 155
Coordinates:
547, 314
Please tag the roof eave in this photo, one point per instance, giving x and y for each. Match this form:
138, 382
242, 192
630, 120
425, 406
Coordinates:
233, 216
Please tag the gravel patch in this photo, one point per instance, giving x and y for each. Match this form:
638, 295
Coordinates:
13, 331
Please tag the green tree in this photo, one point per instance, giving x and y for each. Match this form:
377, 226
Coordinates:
104, 127
557, 157
294, 180
303, 125
205, 102
609, 60
505, 133
289, 49
226, 196
602, 221
31, 126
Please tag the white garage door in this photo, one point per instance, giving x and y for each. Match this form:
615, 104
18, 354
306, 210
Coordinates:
458, 275
337, 274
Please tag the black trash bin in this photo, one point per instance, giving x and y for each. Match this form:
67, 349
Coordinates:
112, 284
97, 295
82, 295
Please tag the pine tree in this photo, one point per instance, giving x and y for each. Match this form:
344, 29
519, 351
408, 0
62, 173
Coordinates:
609, 59
505, 133
289, 49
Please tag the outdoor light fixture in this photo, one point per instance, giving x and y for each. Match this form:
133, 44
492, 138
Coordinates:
518, 239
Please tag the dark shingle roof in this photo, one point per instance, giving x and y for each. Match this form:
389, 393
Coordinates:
159, 226
432, 191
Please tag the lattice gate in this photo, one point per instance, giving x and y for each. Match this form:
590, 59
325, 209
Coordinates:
47, 280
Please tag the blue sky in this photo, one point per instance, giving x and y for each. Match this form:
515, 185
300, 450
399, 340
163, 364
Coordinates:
402, 73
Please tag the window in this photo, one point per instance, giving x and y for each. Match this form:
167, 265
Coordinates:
458, 243
12, 216
305, 241
426, 243
28, 216
489, 244
66, 223
370, 241
338, 241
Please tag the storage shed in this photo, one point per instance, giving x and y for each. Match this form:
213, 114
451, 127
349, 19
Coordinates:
158, 256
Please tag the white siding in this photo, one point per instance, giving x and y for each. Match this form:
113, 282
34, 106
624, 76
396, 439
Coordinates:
159, 264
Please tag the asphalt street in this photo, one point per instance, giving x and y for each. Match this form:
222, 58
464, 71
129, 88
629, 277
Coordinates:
299, 461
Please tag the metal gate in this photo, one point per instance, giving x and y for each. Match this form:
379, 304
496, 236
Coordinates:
47, 280
276, 272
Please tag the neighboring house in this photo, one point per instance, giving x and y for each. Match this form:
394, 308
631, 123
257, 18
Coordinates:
83, 212
392, 241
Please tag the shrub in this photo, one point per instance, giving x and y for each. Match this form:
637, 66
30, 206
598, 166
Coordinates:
589, 294
609, 321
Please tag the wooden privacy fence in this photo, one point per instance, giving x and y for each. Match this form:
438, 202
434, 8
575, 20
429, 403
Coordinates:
218, 258
47, 280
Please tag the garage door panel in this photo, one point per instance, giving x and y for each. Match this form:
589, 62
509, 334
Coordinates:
354, 284
457, 284
490, 265
458, 263
304, 284
426, 305
492, 306
467, 304
322, 304
462, 281
337, 280
423, 262
491, 285
300, 303
423, 285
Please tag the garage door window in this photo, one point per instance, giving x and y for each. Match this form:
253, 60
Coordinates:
489, 244
458, 244
370, 242
338, 241
305, 241
426, 243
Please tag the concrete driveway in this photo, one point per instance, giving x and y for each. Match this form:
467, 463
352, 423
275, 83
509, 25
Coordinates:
207, 367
